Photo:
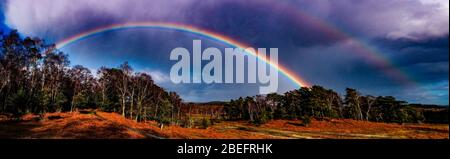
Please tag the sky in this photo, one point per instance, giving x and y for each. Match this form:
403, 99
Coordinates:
380, 47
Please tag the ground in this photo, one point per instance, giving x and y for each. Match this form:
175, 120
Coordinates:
97, 124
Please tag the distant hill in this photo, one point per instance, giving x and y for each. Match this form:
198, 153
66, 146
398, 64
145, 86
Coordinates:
429, 106
208, 103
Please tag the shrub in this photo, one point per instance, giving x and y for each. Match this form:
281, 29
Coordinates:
306, 120
17, 103
205, 123
163, 121
187, 122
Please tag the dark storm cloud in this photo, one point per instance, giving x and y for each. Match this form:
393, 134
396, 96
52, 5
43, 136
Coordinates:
253, 21
399, 44
256, 22
394, 19
426, 60
262, 24
62, 17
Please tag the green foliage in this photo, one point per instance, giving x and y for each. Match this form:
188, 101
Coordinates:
165, 121
306, 120
235, 109
320, 103
280, 113
206, 123
261, 119
16, 103
435, 115
353, 104
187, 122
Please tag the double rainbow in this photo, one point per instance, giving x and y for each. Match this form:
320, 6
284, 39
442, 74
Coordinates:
365, 51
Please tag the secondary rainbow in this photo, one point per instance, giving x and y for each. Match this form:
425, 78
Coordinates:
182, 28
360, 48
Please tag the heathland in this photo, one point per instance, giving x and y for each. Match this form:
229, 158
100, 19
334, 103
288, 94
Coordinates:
93, 124
42, 96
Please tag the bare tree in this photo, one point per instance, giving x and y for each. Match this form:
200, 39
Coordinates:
353, 102
80, 77
369, 101
123, 84
54, 68
143, 84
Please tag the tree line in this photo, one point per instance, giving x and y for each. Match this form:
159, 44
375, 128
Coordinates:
35, 77
320, 103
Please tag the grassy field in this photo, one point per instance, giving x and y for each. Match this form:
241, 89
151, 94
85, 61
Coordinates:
96, 124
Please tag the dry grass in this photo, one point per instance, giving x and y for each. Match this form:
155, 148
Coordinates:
112, 125
346, 128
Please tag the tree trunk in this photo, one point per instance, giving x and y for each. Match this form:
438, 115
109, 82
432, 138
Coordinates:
132, 104
123, 105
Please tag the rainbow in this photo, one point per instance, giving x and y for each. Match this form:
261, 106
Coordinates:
360, 48
182, 28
